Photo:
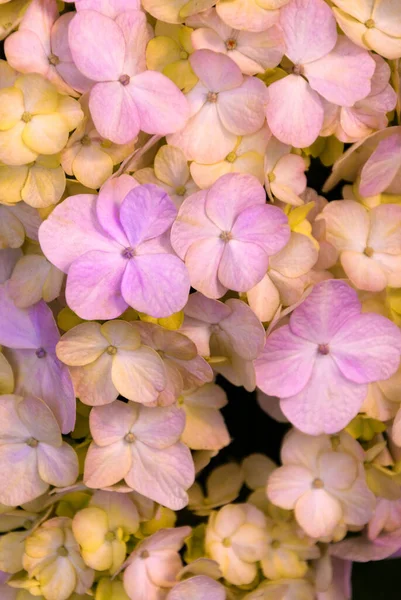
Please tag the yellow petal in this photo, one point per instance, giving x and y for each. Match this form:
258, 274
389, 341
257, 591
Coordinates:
185, 38
89, 527
46, 134
91, 166
43, 186
12, 180
160, 52
181, 74
6, 376
171, 166
71, 111
195, 6
40, 96
173, 321
11, 14
13, 151
67, 319
11, 107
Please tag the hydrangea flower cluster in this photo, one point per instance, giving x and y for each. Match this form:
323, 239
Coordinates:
158, 237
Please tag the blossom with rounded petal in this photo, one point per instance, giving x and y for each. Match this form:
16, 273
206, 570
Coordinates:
41, 46
230, 334
168, 53
30, 336
236, 539
108, 360
324, 486
284, 173
223, 101
53, 562
184, 368
225, 235
381, 172
155, 564
321, 362
254, 52
11, 13
17, 223
284, 283
251, 15
205, 428
171, 172
372, 25
116, 251
325, 65
176, 11
40, 184
125, 97
34, 278
353, 123
34, 119
140, 445
32, 453
89, 157
362, 549
103, 528
246, 156
222, 486
368, 242
199, 587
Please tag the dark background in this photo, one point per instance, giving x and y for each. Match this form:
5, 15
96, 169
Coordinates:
254, 431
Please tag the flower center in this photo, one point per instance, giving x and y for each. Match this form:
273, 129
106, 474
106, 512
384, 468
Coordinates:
323, 349
298, 70
128, 253
32, 443
232, 157
86, 141
212, 97
111, 350
145, 554
369, 23
53, 59
227, 543
183, 55
180, 191
271, 177
226, 236
62, 551
317, 483
368, 251
110, 536
26, 117
106, 144
130, 438
40, 352
124, 79
275, 544
231, 44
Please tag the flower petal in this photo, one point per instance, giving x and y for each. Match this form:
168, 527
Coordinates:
57, 466
81, 345
216, 70
108, 206
106, 465
203, 260
318, 513
139, 375
287, 484
159, 427
114, 111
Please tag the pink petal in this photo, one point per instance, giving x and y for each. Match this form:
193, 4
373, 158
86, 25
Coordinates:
347, 225
385, 230
107, 465
192, 224
242, 110
294, 111
199, 587
17, 331
19, 478
309, 30
57, 466
108, 205
243, 191
286, 363
325, 311
157, 284
159, 427
39, 420
338, 470
287, 484
327, 403
139, 375
39, 18
91, 35
162, 475
244, 329
136, 34
205, 38
146, 212
242, 265
247, 14
202, 260
25, 52
161, 106
381, 167
74, 221
367, 348
109, 424
110, 8
360, 549
59, 37
12, 429
94, 285
114, 111
264, 225
318, 513
93, 383
342, 76
365, 273
216, 71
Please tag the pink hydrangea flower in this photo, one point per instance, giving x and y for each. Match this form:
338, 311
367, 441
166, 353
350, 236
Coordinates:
253, 52
325, 487
140, 445
41, 46
230, 334
382, 171
285, 176
125, 97
155, 564
184, 368
325, 65
110, 8
226, 235
200, 587
223, 102
321, 362
116, 251
32, 452
362, 549
30, 336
